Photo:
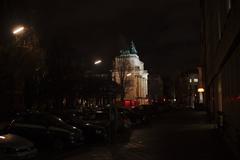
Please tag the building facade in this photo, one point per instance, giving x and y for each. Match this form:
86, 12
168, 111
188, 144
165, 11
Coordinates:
187, 85
128, 71
221, 47
155, 86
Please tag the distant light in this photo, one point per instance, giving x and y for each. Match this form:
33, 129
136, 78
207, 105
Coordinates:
229, 5
129, 74
190, 80
98, 62
195, 80
200, 90
2, 137
164, 99
18, 30
174, 99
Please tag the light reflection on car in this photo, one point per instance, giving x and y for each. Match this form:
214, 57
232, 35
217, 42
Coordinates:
14, 147
89, 123
45, 129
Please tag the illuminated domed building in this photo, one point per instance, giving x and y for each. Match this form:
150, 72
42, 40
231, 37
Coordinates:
128, 71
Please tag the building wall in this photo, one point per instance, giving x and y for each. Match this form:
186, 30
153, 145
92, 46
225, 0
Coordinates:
221, 48
155, 87
186, 86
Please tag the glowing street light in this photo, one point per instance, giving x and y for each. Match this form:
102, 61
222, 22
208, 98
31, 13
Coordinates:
98, 62
18, 30
200, 90
129, 74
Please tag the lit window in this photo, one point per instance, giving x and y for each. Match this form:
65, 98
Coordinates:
195, 80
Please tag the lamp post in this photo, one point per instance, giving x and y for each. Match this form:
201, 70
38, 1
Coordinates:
25, 37
201, 91
129, 74
26, 41
19, 33
97, 62
18, 30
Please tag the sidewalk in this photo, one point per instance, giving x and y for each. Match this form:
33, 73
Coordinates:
191, 136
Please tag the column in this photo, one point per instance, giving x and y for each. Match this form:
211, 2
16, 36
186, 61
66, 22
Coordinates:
142, 89
146, 86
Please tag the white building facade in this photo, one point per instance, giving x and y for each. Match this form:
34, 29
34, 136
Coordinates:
128, 71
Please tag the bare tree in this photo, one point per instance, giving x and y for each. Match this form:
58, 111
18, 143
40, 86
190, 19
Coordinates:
20, 62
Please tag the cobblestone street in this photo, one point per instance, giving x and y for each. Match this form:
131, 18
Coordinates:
171, 136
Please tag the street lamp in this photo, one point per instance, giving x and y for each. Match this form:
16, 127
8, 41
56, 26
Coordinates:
200, 90
98, 62
18, 30
129, 74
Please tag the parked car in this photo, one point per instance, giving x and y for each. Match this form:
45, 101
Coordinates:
14, 147
100, 121
72, 117
43, 128
87, 122
107, 118
138, 116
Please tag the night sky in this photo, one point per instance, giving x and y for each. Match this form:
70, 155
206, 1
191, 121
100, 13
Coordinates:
166, 32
